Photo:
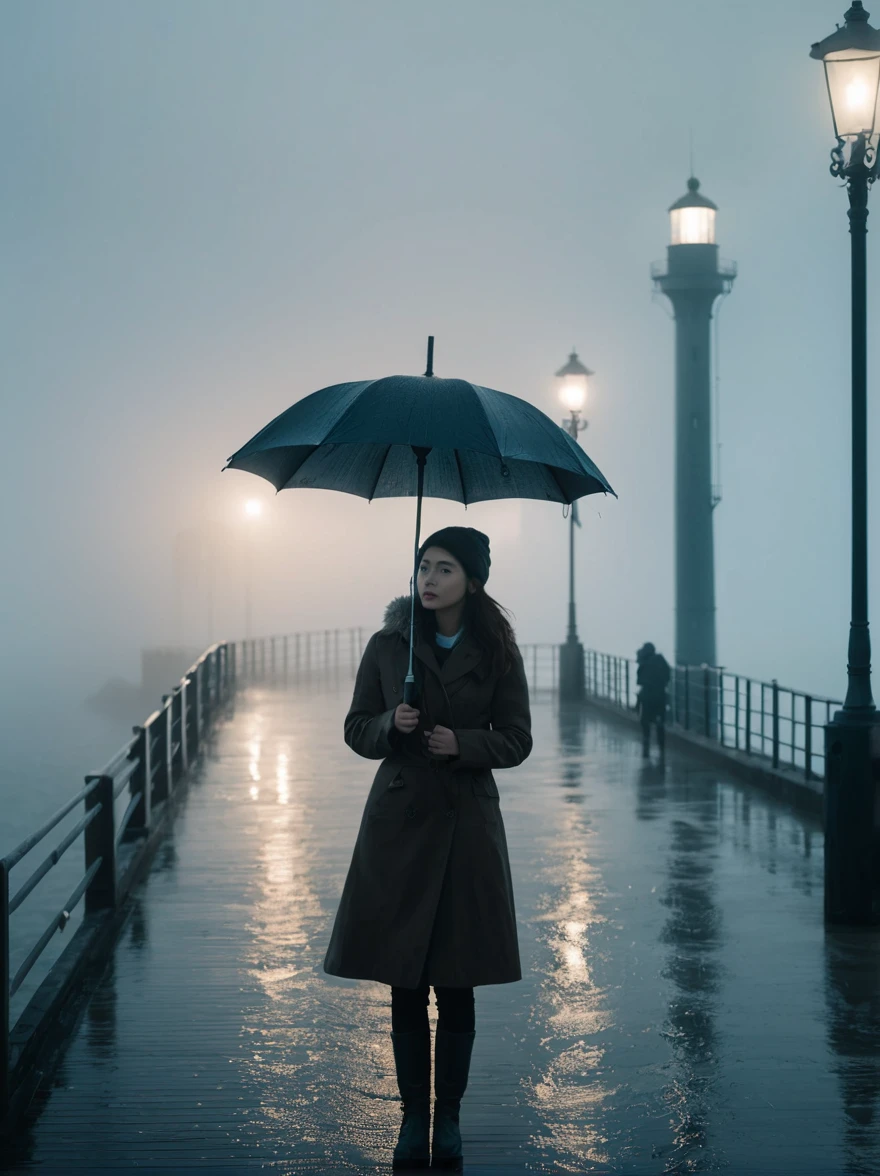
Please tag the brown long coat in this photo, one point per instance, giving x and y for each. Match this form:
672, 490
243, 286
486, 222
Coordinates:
429, 882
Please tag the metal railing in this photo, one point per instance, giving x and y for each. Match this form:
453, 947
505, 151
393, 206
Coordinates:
290, 656
762, 719
148, 767
726, 269
286, 658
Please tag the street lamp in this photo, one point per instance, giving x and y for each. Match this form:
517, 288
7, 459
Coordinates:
573, 377
851, 56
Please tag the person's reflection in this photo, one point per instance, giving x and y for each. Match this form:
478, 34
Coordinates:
692, 931
651, 791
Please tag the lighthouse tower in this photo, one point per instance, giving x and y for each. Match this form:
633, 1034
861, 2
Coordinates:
692, 279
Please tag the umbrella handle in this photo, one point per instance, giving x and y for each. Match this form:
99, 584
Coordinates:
410, 691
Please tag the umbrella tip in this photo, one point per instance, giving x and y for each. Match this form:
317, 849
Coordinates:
430, 369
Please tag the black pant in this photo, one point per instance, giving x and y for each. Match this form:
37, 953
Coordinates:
455, 1009
657, 717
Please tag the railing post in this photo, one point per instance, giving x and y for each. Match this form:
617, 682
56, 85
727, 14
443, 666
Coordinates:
736, 713
808, 737
763, 716
775, 724
721, 706
181, 699
706, 701
748, 716
169, 745
140, 782
627, 683
100, 842
197, 708
4, 991
162, 751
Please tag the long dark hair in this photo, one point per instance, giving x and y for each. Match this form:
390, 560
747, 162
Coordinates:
485, 622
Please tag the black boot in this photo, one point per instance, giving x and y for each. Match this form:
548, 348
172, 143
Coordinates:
412, 1059
452, 1060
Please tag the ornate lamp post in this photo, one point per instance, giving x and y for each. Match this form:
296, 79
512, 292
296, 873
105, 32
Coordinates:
573, 393
852, 739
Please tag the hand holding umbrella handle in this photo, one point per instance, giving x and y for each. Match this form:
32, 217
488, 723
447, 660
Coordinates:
410, 691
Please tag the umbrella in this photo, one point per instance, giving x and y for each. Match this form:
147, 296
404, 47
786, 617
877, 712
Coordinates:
373, 438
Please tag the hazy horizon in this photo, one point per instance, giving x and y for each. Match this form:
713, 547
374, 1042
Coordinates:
212, 210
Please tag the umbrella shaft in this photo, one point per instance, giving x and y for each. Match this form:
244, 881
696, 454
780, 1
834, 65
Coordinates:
421, 456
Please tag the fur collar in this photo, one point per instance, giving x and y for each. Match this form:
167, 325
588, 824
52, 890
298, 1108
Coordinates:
396, 620
397, 614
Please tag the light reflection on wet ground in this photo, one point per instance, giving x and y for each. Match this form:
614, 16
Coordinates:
682, 1007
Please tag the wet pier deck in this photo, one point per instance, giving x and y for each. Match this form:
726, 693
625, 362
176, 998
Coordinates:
682, 1009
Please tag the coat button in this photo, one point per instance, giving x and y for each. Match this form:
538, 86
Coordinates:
393, 689
450, 812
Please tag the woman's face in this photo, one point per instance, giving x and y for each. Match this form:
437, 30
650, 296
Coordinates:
442, 581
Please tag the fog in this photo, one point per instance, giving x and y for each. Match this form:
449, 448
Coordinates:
212, 209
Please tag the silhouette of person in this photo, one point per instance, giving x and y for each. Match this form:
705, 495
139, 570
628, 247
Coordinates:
652, 677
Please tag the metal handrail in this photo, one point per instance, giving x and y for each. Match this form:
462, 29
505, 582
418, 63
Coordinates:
169, 739
60, 920
718, 704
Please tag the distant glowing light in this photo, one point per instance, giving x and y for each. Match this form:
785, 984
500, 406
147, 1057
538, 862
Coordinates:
693, 226
573, 392
253, 507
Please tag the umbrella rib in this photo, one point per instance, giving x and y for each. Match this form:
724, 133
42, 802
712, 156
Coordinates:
552, 470
460, 477
379, 475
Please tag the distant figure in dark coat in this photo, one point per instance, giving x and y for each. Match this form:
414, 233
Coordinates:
652, 677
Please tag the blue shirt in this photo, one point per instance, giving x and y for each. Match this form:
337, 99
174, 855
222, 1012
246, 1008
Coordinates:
448, 642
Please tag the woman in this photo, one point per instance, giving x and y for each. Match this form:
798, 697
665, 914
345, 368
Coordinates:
428, 899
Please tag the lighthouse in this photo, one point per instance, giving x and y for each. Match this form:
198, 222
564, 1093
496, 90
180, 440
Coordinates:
692, 278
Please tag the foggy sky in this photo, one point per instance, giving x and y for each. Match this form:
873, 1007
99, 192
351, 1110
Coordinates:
212, 209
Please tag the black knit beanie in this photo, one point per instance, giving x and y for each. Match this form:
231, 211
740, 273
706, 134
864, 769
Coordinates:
469, 546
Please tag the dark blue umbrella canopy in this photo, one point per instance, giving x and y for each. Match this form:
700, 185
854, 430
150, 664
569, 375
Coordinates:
411, 436
359, 438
